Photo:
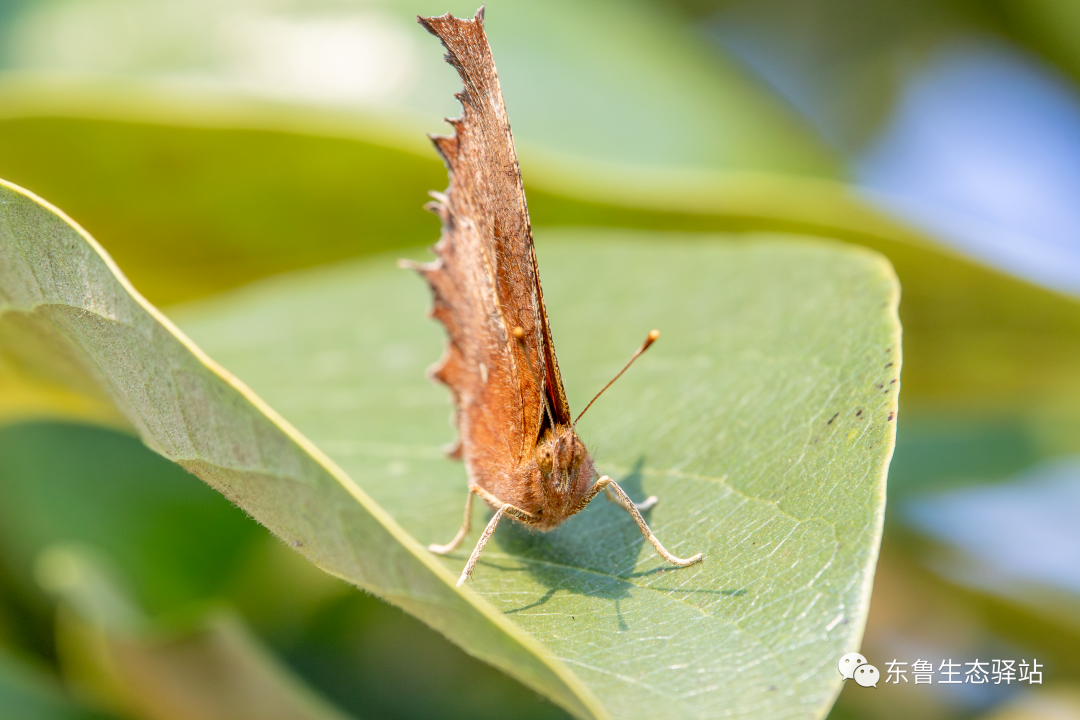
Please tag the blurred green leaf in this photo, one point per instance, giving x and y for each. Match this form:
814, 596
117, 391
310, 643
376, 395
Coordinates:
939, 452
766, 427
916, 613
360, 652
234, 205
1050, 27
214, 669
27, 693
227, 206
65, 483
631, 83
352, 647
613, 81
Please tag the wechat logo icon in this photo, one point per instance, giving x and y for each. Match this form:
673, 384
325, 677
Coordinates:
853, 666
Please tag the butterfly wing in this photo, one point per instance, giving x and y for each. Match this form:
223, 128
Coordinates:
485, 281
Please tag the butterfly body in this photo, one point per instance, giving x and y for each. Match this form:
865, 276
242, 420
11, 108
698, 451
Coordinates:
511, 447
557, 479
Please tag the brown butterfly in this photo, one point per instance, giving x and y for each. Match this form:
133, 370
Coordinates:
515, 429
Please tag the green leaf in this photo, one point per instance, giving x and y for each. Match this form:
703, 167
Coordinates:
620, 82
210, 668
697, 424
631, 83
28, 693
763, 419
68, 483
67, 317
227, 205
106, 492
1050, 27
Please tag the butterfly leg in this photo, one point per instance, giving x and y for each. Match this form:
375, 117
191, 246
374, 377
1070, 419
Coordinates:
503, 509
607, 485
646, 504
465, 527
488, 532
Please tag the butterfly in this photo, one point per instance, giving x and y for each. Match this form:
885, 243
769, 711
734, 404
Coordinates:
516, 434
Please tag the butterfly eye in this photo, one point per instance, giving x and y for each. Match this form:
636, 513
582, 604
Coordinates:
543, 459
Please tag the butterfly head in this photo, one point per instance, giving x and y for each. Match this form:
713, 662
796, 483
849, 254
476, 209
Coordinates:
565, 470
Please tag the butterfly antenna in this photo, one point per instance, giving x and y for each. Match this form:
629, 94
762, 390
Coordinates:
519, 336
644, 346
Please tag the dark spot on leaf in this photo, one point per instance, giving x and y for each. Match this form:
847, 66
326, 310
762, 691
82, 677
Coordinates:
888, 365
880, 385
833, 418
892, 381
857, 414
771, 688
891, 416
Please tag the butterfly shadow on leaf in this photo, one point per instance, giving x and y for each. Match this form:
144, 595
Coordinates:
595, 553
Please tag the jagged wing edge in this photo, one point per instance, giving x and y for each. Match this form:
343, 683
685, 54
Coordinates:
434, 272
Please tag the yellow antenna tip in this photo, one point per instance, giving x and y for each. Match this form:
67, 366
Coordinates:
653, 335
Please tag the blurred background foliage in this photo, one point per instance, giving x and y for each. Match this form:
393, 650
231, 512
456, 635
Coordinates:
208, 144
